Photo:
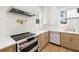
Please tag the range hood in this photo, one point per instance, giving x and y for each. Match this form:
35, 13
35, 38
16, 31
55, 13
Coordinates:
17, 11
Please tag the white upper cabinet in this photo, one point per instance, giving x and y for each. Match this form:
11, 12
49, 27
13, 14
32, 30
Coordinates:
68, 14
53, 14
77, 12
44, 15
72, 13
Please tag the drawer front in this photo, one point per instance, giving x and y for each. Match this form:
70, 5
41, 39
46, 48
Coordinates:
66, 42
75, 42
70, 41
41, 42
66, 34
76, 36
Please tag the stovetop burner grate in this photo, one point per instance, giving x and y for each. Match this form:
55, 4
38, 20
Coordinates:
18, 37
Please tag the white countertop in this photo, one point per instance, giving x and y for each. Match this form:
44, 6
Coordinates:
43, 31
5, 42
40, 32
65, 31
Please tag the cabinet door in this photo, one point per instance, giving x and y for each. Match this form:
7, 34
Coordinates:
74, 13
43, 40
9, 49
77, 12
68, 13
75, 42
47, 37
66, 40
53, 15
45, 15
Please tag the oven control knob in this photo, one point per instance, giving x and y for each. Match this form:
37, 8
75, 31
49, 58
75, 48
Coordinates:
20, 43
20, 48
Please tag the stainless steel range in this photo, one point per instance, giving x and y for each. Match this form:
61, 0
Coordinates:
26, 42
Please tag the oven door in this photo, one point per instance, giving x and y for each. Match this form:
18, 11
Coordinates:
31, 48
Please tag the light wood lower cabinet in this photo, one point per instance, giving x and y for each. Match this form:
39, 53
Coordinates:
47, 37
43, 40
9, 49
66, 40
70, 41
75, 42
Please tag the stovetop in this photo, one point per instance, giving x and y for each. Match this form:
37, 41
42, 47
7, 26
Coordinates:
18, 37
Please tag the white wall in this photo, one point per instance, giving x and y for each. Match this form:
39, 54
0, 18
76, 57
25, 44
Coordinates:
8, 23
2, 21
